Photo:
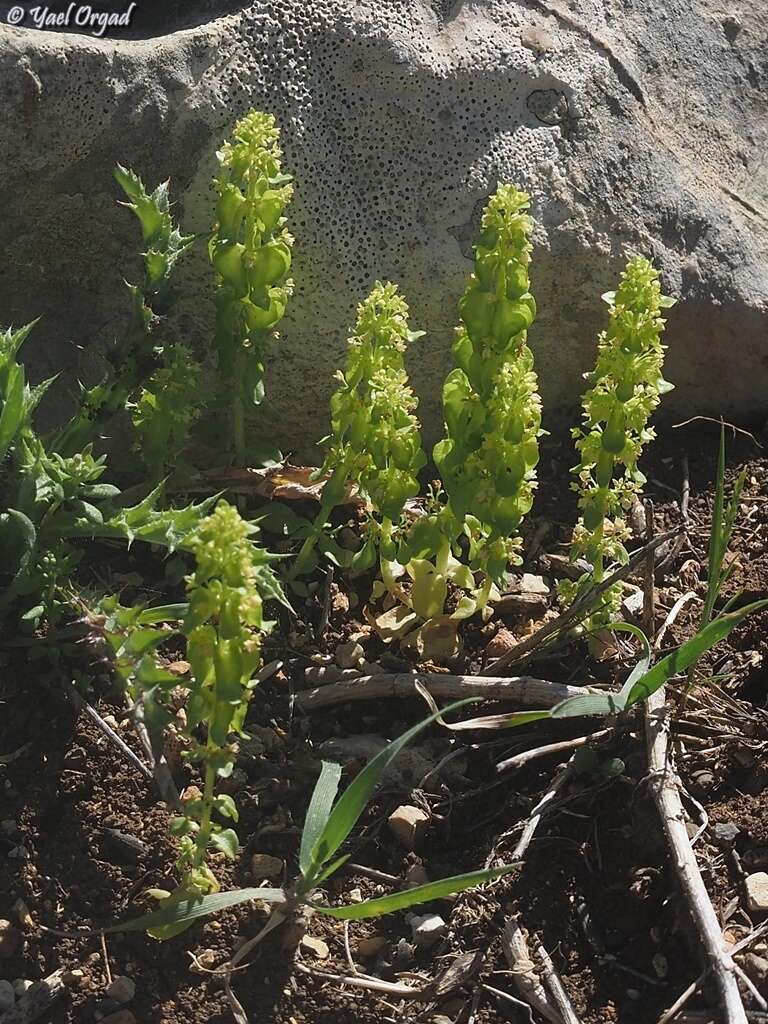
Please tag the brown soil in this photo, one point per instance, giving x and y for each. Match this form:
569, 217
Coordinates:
597, 887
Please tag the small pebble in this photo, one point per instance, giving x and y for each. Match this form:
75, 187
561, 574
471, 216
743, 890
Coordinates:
7, 996
725, 833
121, 1017
10, 938
416, 875
314, 946
318, 675
123, 989
756, 967
409, 825
349, 655
371, 668
264, 865
427, 929
757, 891
370, 946
355, 896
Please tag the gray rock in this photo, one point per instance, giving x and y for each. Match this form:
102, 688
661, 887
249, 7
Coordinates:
756, 967
725, 833
7, 996
122, 989
21, 986
10, 939
398, 121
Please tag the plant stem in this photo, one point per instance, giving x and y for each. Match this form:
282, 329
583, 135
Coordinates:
205, 820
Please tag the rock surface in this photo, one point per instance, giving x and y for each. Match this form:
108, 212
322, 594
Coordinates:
634, 127
756, 886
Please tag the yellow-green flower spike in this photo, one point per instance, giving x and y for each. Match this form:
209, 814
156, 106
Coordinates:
627, 385
491, 402
251, 252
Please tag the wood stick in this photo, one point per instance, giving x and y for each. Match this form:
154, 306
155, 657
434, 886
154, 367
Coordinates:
524, 976
666, 793
550, 748
81, 704
556, 988
526, 691
37, 1000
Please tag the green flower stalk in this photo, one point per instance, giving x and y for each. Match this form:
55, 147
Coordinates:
627, 385
251, 252
223, 629
134, 358
375, 439
491, 404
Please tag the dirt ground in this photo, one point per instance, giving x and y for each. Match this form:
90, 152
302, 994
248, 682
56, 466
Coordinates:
596, 888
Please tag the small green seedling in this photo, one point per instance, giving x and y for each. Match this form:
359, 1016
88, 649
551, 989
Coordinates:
328, 824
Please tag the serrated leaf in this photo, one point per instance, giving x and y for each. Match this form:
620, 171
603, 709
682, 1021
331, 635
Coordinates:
412, 897
319, 810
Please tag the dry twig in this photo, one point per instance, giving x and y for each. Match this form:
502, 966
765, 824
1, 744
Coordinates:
526, 691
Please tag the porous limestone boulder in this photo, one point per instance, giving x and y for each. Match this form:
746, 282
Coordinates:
635, 127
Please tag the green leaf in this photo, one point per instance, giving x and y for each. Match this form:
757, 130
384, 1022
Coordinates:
226, 806
591, 704
319, 811
162, 613
412, 897
690, 652
12, 414
353, 801
187, 910
227, 842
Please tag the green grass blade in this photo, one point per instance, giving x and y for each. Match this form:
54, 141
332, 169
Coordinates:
412, 897
319, 811
355, 797
716, 552
686, 655
162, 613
187, 910
591, 704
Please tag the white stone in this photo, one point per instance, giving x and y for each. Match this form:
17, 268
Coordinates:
315, 947
757, 891
428, 929
349, 655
